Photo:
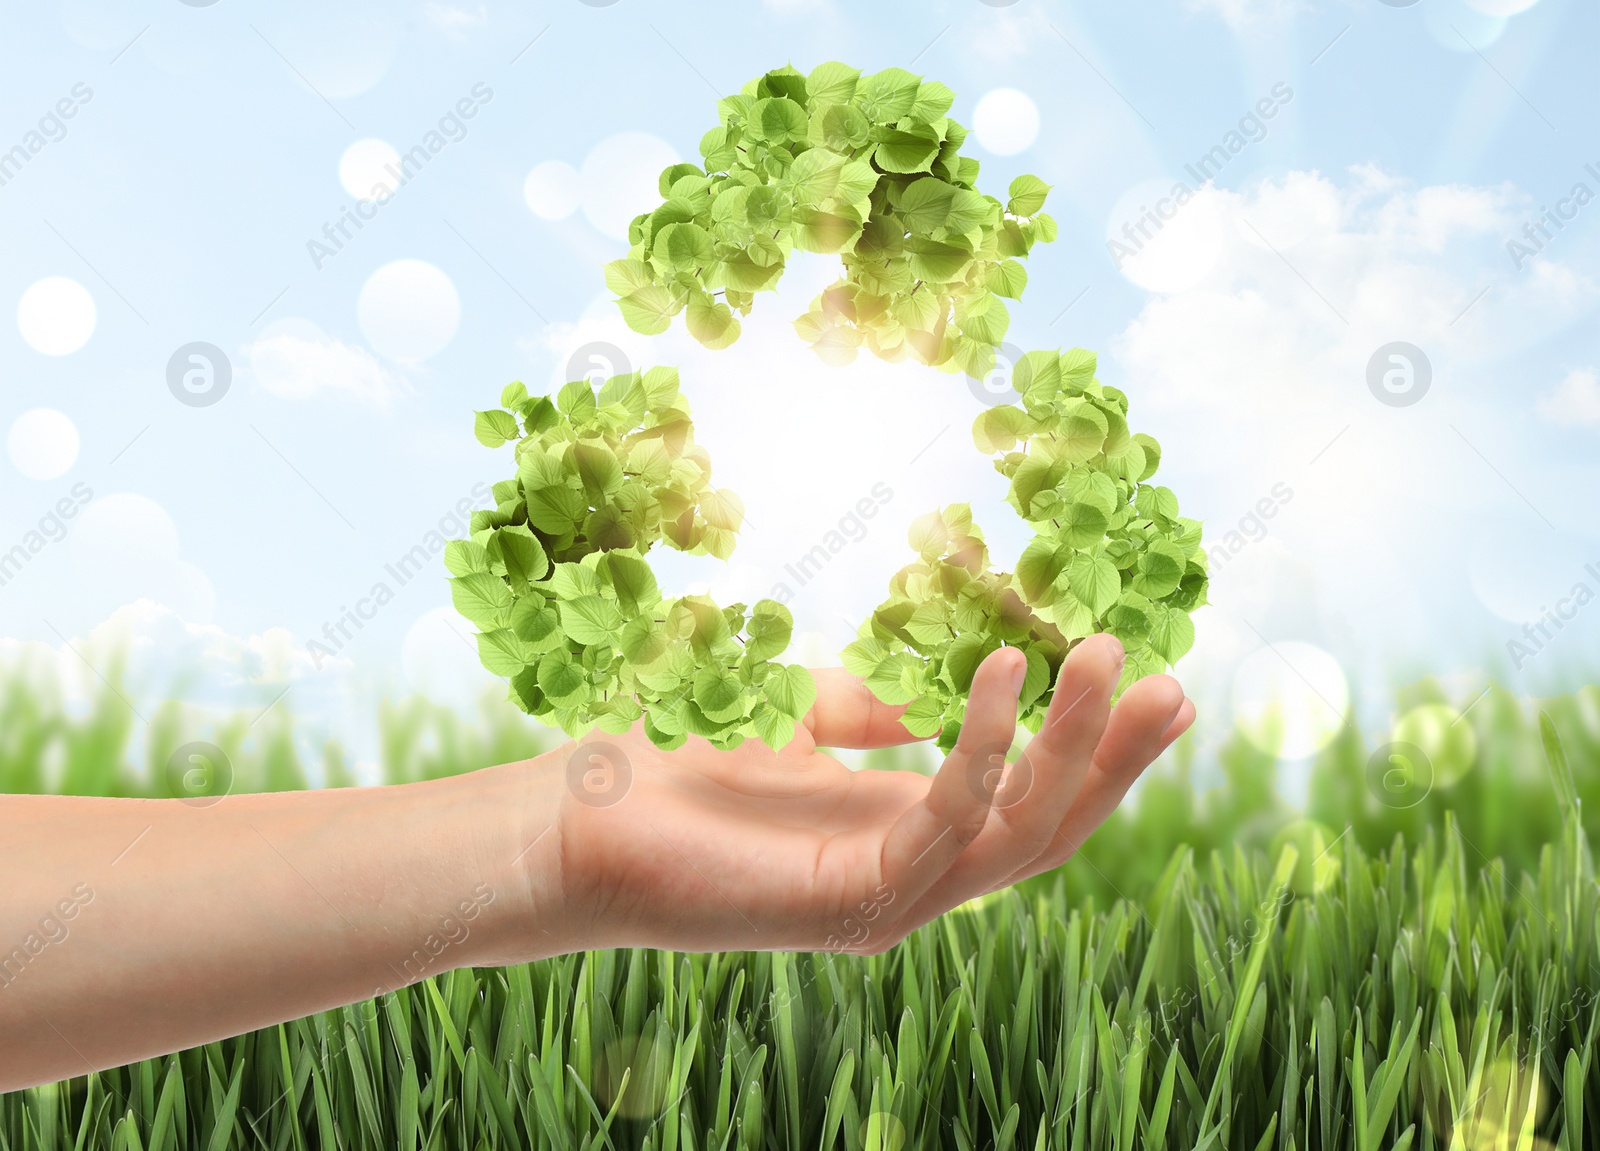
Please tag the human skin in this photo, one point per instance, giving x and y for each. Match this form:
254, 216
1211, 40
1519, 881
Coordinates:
206, 922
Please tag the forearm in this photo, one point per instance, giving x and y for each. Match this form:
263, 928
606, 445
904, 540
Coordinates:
130, 928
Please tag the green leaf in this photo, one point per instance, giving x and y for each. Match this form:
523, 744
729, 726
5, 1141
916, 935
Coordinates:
1038, 566
463, 557
1008, 278
862, 657
679, 248
929, 624
937, 262
642, 641
778, 120
984, 318
495, 427
857, 179
711, 322
906, 151
774, 728
482, 598
925, 204
1095, 581
722, 509
970, 213
1027, 195
965, 654
1152, 455
598, 468
538, 468
522, 554
535, 622
924, 716
891, 680
933, 101
1071, 616
501, 651
814, 175
832, 83
791, 690
556, 511
1081, 524
1158, 569
1156, 503
632, 582
649, 310
514, 394
590, 619
1171, 633
576, 401
1081, 431
649, 460
997, 429
888, 95
769, 631
624, 277
559, 677
1036, 679
1129, 619
718, 692
1078, 365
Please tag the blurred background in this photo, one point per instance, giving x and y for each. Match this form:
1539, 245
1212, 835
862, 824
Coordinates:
240, 356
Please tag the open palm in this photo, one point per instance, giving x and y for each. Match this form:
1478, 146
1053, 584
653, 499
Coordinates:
700, 850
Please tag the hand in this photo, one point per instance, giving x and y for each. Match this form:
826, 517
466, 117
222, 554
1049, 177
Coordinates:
313, 899
702, 850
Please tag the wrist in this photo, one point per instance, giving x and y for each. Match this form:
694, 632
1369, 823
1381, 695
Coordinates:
513, 843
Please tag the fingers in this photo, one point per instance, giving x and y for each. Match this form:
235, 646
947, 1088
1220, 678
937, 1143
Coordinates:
927, 839
1180, 724
1149, 717
1159, 715
1040, 788
847, 714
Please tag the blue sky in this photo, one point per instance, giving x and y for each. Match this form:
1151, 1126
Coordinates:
180, 201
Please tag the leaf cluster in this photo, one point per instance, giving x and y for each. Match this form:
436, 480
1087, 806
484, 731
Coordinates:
555, 575
1110, 553
868, 168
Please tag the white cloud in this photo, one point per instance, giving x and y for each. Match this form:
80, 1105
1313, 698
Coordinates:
1260, 367
296, 360
156, 657
132, 543
1004, 35
1575, 401
453, 21
1350, 266
159, 644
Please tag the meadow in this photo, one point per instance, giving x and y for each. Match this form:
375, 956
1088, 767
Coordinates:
1215, 970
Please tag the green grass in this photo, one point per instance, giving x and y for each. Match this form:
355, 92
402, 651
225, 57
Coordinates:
1429, 980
